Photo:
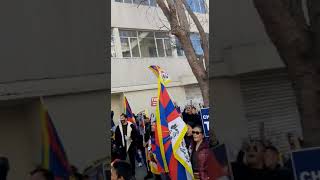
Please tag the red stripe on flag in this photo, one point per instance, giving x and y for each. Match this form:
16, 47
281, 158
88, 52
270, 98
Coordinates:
173, 115
173, 168
167, 145
164, 98
165, 131
53, 143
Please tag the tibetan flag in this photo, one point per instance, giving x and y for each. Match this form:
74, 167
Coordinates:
128, 111
53, 155
161, 74
170, 132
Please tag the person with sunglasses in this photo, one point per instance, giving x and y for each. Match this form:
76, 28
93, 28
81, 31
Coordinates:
204, 164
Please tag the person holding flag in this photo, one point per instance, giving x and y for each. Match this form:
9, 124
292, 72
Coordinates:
126, 140
171, 151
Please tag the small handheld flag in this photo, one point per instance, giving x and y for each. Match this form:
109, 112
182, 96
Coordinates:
128, 111
54, 157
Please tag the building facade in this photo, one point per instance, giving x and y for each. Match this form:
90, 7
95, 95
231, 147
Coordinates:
140, 38
249, 79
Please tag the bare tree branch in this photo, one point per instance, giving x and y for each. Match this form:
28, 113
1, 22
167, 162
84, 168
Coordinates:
184, 23
203, 36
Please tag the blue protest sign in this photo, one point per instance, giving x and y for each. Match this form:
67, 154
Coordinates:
306, 164
204, 112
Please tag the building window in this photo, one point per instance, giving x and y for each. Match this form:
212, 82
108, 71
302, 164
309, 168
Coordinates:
129, 44
113, 49
145, 44
139, 2
198, 6
196, 43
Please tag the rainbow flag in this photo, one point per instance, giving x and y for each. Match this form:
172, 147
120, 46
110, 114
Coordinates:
170, 132
128, 111
53, 155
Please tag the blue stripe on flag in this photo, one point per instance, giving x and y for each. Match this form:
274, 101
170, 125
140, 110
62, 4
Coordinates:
163, 116
181, 171
169, 109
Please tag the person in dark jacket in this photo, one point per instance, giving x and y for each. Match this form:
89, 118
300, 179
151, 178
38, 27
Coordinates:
126, 140
253, 168
274, 169
120, 170
204, 163
188, 138
4, 168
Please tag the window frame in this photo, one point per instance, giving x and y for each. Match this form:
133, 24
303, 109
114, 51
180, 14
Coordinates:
154, 37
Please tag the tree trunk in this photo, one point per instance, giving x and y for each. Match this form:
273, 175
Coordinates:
295, 45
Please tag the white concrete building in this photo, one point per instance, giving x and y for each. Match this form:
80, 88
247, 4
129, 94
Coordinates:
249, 83
140, 38
46, 51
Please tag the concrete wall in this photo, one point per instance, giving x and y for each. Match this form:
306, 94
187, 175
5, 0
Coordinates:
227, 111
134, 74
81, 121
45, 42
125, 15
240, 41
81, 128
15, 140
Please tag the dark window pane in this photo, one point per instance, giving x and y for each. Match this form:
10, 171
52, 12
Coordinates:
118, 0
148, 47
153, 3
125, 33
127, 1
125, 48
134, 47
168, 47
196, 43
192, 4
203, 6
160, 48
143, 34
161, 35
179, 48
141, 2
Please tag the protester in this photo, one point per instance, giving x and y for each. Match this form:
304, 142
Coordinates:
188, 137
187, 114
140, 132
4, 168
75, 173
275, 171
149, 137
253, 167
204, 164
41, 174
121, 170
126, 140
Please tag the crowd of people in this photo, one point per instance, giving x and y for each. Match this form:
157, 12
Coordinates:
256, 160
259, 160
134, 142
